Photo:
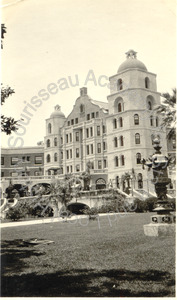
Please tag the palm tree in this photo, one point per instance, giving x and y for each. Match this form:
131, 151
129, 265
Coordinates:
168, 111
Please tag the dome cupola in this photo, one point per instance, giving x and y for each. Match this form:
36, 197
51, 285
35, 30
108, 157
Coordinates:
131, 62
57, 112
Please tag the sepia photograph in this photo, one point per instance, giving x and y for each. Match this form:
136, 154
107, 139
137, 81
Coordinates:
88, 149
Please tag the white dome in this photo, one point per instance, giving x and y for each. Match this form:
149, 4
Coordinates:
131, 62
57, 113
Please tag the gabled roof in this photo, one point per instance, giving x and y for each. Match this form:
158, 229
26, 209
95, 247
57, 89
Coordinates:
101, 104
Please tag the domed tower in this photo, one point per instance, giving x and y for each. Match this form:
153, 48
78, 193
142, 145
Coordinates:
53, 142
132, 123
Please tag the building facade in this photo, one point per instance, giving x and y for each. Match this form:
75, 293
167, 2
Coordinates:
112, 137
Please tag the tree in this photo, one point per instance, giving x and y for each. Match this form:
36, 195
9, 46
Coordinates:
8, 124
168, 111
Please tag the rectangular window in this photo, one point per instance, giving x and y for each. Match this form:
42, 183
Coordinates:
67, 154
91, 131
77, 152
38, 160
77, 136
97, 114
93, 115
77, 168
91, 148
88, 117
68, 123
14, 160
67, 138
28, 158
2, 174
87, 132
98, 130
72, 122
70, 136
104, 146
71, 154
23, 158
99, 164
76, 120
104, 129
99, 147
71, 169
105, 163
87, 149
67, 169
2, 160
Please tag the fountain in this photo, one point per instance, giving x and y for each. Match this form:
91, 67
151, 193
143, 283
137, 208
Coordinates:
163, 223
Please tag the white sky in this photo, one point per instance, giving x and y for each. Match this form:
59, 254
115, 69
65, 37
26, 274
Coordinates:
50, 39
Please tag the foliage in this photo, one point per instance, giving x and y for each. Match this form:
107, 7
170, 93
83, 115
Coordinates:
150, 203
168, 110
3, 31
140, 206
19, 211
8, 124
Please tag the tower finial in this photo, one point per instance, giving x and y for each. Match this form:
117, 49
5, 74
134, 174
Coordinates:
131, 54
57, 107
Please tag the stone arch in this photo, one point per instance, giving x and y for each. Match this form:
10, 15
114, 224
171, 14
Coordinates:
77, 208
150, 102
100, 184
43, 186
118, 105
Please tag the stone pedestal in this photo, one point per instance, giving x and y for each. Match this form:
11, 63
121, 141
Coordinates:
159, 229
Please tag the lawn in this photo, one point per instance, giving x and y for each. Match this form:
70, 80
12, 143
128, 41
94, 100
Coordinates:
109, 258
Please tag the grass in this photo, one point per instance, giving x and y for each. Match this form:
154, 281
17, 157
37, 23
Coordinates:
109, 258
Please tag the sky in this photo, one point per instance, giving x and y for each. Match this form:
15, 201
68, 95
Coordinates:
48, 40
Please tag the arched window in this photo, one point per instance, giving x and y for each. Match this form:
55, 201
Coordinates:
136, 119
119, 107
140, 181
157, 121
138, 158
49, 128
61, 154
55, 157
48, 158
122, 160
137, 138
120, 122
116, 161
115, 123
151, 120
121, 140
149, 105
147, 83
119, 84
115, 142
82, 108
55, 141
48, 143
61, 140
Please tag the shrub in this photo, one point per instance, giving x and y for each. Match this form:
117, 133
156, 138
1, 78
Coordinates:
151, 203
15, 213
140, 206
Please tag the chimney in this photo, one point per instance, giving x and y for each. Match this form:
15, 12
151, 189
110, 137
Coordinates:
83, 91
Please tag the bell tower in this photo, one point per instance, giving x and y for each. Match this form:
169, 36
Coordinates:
132, 120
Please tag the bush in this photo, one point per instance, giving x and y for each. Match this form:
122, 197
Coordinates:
151, 203
15, 213
140, 206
